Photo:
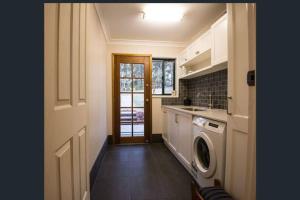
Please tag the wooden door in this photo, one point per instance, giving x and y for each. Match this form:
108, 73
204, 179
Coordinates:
132, 98
240, 177
65, 103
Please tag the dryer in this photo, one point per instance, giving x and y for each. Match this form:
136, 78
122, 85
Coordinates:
209, 146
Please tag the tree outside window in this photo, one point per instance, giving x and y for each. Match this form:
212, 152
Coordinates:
163, 76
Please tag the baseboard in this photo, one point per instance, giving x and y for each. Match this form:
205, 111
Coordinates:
157, 138
97, 163
109, 139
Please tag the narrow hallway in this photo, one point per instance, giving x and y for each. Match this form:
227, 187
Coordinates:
141, 172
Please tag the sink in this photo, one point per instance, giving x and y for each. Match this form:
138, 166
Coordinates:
194, 109
198, 109
190, 109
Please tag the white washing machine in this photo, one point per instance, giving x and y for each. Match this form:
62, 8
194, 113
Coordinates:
209, 143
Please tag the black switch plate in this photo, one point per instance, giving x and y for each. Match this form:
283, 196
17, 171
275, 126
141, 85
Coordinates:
251, 78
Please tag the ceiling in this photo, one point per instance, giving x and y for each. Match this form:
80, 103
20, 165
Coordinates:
122, 21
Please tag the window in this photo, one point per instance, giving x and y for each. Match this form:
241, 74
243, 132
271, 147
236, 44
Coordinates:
163, 76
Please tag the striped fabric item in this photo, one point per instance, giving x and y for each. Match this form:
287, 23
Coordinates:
214, 193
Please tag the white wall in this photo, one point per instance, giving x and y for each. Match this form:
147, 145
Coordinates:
96, 57
156, 51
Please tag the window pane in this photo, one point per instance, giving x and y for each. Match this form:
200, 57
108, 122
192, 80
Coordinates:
157, 74
125, 100
138, 129
138, 114
126, 130
138, 85
169, 77
138, 100
126, 119
125, 70
138, 70
125, 85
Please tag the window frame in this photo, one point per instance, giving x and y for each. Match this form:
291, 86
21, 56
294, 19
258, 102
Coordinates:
163, 75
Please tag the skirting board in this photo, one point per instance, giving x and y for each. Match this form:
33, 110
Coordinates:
156, 138
97, 163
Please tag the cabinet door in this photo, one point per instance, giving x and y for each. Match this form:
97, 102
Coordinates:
172, 129
219, 41
184, 135
183, 57
200, 45
165, 126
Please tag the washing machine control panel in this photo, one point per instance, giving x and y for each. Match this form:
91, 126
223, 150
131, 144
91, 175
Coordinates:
199, 121
210, 125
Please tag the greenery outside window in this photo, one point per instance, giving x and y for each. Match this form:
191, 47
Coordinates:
163, 76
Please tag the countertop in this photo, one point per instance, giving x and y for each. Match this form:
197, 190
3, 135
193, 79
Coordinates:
214, 114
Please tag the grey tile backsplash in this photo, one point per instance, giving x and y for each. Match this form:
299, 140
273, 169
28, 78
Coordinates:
198, 90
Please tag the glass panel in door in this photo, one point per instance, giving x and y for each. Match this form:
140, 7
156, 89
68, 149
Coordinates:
131, 100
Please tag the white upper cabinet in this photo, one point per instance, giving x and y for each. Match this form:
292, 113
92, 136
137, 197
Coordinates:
183, 57
207, 52
219, 41
201, 45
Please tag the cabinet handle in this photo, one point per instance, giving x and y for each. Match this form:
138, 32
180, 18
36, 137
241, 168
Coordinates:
197, 52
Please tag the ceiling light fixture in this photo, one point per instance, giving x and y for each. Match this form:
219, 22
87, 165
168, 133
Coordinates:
162, 14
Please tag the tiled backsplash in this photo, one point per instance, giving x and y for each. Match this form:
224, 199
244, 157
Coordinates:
198, 90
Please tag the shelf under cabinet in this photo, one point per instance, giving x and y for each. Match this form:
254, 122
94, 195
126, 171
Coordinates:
205, 70
198, 58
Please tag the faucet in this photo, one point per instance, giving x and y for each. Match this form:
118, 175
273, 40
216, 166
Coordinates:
210, 105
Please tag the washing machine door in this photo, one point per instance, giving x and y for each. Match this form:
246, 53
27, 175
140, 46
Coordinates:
204, 155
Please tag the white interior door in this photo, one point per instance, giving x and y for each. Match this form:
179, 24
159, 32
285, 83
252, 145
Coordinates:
241, 135
65, 154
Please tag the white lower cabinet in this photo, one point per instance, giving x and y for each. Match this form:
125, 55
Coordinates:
172, 129
184, 138
179, 131
165, 126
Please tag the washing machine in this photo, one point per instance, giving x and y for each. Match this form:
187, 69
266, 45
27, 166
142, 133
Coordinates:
209, 143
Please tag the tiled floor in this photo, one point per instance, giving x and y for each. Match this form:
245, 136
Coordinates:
141, 172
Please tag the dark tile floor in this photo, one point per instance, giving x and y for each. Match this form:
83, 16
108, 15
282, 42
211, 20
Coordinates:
141, 172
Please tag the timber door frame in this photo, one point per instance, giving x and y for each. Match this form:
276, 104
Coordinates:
115, 117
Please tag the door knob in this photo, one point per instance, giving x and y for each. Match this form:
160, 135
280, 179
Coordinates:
147, 100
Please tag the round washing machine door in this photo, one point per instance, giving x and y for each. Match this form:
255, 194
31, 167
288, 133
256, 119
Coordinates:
204, 155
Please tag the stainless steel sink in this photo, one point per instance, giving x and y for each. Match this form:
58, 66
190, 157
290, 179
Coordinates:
193, 109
